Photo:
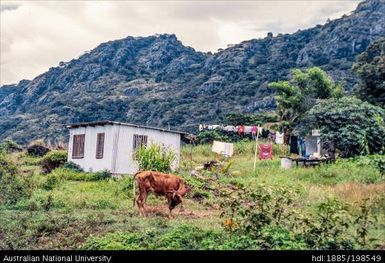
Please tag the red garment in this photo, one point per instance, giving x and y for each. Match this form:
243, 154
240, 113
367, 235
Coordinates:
241, 129
254, 130
265, 151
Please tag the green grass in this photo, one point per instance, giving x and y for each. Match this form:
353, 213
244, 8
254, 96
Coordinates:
78, 210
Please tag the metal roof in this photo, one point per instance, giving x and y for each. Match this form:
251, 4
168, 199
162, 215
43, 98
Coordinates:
101, 123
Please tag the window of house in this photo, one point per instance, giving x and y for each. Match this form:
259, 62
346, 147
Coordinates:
139, 141
99, 146
78, 146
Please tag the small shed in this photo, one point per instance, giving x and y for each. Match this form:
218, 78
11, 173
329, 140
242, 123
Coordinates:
108, 145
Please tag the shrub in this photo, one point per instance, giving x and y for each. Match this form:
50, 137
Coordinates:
252, 212
37, 150
10, 146
72, 166
13, 188
102, 175
377, 161
6, 165
73, 175
155, 157
50, 182
328, 228
209, 136
353, 126
53, 160
267, 216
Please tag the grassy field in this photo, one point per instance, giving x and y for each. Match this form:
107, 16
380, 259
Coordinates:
74, 210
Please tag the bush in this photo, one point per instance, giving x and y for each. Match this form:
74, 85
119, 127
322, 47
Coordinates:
13, 188
267, 216
328, 229
37, 150
258, 213
210, 135
10, 146
6, 165
353, 126
53, 160
51, 182
73, 175
155, 158
72, 166
102, 175
377, 161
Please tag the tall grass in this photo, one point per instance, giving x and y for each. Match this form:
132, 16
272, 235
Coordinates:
155, 157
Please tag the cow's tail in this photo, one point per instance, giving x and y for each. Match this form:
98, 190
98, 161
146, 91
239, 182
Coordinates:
134, 189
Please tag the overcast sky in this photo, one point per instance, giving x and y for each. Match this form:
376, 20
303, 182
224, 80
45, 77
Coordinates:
37, 35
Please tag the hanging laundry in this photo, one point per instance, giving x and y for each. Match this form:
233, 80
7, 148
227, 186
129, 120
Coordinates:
214, 127
294, 144
302, 144
254, 130
271, 135
265, 133
279, 138
311, 145
286, 136
265, 151
248, 129
200, 127
241, 129
226, 149
259, 130
230, 128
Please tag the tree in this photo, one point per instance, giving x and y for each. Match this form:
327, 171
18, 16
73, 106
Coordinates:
370, 67
354, 127
299, 94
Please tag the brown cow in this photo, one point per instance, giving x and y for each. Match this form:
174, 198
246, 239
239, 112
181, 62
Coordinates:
170, 185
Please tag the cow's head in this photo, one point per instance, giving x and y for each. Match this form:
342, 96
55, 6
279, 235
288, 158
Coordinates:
176, 199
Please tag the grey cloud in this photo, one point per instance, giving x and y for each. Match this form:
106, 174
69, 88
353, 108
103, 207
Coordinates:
8, 7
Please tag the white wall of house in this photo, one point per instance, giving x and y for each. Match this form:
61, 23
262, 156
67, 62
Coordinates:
125, 162
118, 154
90, 163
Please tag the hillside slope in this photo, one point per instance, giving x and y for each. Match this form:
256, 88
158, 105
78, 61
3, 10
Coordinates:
160, 82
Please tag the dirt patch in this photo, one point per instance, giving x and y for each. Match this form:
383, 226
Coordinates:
162, 211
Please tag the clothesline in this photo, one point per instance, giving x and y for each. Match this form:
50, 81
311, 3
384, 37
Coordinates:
272, 135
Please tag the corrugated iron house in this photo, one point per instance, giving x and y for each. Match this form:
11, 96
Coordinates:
108, 145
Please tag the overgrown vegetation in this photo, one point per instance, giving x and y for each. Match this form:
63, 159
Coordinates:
266, 215
353, 126
155, 157
340, 205
370, 67
296, 96
53, 160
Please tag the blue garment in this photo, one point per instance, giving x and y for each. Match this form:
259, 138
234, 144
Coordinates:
302, 146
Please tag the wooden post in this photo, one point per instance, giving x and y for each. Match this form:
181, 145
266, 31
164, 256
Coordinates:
256, 149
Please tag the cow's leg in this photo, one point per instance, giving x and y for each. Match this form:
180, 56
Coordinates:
169, 199
145, 201
141, 201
